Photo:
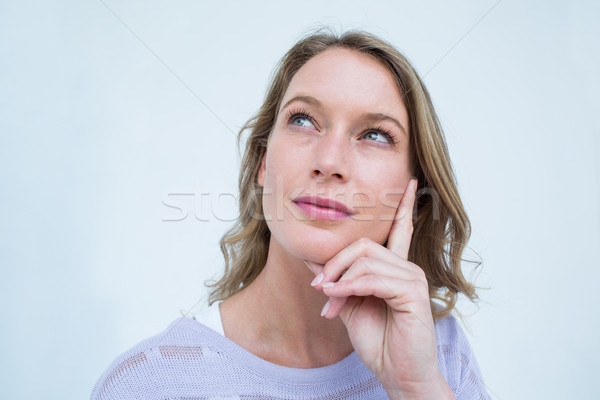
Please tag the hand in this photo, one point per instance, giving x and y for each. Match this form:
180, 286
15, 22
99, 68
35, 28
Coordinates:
383, 300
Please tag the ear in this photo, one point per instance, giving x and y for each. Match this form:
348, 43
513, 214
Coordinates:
262, 171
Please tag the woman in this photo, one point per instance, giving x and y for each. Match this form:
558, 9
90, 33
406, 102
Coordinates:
329, 284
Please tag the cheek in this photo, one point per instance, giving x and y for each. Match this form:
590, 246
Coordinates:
285, 166
388, 203
377, 221
391, 190
379, 200
279, 185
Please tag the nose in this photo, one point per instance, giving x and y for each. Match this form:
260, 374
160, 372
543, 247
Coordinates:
331, 155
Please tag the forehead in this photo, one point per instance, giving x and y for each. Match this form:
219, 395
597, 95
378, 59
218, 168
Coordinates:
348, 80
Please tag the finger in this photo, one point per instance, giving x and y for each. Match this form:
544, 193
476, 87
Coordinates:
402, 229
396, 292
363, 247
333, 307
376, 269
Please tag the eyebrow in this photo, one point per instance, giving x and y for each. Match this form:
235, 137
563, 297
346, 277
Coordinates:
370, 117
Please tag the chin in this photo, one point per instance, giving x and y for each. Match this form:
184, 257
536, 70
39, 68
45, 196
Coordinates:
318, 254
318, 248
319, 244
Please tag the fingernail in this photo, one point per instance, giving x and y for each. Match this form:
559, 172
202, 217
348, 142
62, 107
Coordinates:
328, 284
317, 280
325, 308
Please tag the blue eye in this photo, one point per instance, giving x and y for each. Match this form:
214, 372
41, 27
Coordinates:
301, 117
379, 135
376, 136
300, 120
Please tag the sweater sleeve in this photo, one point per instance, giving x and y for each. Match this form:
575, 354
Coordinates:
457, 361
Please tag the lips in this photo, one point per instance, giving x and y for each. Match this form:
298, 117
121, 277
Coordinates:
323, 208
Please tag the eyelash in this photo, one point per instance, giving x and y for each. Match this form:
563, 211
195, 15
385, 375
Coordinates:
301, 112
293, 114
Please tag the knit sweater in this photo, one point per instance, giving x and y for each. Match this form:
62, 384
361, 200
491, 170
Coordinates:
193, 360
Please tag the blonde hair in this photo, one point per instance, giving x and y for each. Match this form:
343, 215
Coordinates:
441, 226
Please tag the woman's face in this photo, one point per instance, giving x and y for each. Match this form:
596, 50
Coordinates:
341, 135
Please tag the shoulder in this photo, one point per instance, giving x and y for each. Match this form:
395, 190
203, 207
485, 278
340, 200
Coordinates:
449, 332
457, 361
141, 372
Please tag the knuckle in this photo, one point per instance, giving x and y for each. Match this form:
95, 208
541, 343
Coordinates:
363, 243
349, 285
414, 267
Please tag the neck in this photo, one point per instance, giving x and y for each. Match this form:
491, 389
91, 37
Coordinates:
277, 317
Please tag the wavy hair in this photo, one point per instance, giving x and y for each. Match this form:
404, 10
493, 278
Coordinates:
441, 226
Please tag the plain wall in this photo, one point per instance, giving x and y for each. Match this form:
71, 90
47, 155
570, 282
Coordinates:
110, 109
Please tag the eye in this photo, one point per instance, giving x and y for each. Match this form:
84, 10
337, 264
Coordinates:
301, 121
379, 135
301, 118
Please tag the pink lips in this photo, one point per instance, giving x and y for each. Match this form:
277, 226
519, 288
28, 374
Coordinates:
321, 208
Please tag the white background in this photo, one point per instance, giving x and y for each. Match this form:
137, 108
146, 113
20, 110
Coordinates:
106, 108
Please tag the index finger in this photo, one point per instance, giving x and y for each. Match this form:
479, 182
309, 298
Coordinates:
402, 228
